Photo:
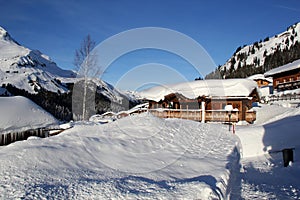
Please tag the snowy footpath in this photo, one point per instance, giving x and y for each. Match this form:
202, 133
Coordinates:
262, 173
144, 157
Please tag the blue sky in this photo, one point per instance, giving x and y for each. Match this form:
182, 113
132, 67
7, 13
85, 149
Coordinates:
57, 27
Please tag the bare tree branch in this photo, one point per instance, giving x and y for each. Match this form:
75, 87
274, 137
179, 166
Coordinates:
87, 65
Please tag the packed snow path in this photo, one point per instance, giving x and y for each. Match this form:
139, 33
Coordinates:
265, 177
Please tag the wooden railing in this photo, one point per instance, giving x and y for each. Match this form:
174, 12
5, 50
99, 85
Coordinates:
196, 115
221, 116
177, 113
284, 97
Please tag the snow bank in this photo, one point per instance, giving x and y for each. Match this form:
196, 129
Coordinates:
194, 89
275, 129
19, 113
138, 157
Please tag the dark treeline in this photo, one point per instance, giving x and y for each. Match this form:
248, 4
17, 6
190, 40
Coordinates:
60, 104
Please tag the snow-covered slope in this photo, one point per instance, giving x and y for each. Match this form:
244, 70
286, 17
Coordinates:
28, 69
255, 55
267, 47
19, 113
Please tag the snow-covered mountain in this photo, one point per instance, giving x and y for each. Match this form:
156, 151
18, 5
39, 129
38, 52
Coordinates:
28, 69
262, 56
32, 74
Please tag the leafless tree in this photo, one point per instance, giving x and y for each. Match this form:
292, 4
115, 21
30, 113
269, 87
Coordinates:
88, 68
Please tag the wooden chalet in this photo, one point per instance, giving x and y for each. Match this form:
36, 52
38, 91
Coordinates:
286, 77
206, 108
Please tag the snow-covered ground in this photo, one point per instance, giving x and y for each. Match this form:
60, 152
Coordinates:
19, 113
138, 157
144, 157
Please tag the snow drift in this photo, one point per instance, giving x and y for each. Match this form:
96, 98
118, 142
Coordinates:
139, 157
275, 129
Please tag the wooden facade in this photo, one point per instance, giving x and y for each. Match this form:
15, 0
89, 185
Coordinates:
287, 80
177, 106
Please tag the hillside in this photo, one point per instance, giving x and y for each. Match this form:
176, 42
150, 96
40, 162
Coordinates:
32, 74
262, 56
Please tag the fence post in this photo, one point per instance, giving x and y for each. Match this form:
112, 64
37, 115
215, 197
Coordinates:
203, 111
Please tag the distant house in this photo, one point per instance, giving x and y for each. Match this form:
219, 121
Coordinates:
261, 80
286, 77
265, 85
205, 100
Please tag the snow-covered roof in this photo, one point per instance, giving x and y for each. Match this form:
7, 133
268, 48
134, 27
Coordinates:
108, 113
194, 89
19, 113
284, 68
260, 77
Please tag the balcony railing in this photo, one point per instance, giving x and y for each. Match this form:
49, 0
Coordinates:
196, 115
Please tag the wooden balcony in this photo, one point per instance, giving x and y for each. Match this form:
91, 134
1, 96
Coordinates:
288, 86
